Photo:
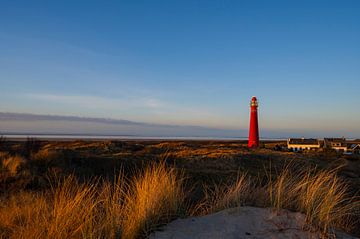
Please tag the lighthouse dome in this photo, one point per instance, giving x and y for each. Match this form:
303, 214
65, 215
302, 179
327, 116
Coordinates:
253, 98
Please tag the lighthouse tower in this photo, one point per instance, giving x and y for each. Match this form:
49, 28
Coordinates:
254, 128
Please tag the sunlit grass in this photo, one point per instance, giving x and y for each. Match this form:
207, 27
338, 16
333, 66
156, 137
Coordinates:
67, 212
132, 208
111, 199
12, 163
155, 197
224, 196
95, 209
324, 199
321, 195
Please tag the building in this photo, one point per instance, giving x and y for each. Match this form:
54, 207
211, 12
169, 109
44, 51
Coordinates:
340, 145
254, 127
353, 149
337, 144
296, 144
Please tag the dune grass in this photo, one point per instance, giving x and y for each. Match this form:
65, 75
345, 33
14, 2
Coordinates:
324, 199
155, 196
95, 209
320, 194
66, 212
220, 197
111, 199
133, 207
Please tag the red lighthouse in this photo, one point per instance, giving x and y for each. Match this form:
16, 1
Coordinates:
254, 128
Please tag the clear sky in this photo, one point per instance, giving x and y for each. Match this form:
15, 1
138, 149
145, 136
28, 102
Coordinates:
185, 62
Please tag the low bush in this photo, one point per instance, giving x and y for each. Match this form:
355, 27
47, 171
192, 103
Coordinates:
12, 164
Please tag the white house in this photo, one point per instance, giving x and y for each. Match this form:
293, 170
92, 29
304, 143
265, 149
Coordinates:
298, 144
338, 144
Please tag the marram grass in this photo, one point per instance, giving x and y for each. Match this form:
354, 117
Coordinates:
132, 208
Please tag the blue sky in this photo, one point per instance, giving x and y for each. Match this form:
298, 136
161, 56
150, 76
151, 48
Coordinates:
185, 62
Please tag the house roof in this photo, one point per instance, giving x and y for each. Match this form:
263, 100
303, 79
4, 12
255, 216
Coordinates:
353, 146
331, 141
303, 141
337, 140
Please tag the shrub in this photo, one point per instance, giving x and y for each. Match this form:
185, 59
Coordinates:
12, 163
31, 146
2, 142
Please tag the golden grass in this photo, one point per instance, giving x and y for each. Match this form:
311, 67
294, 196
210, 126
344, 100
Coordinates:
47, 154
19, 215
12, 163
111, 198
77, 204
155, 197
3, 155
133, 208
324, 199
280, 192
214, 153
224, 196
321, 195
68, 212
94, 209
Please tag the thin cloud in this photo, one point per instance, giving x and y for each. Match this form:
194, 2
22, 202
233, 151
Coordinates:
96, 102
144, 109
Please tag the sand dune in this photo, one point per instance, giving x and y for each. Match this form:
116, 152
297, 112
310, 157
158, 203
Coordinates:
242, 222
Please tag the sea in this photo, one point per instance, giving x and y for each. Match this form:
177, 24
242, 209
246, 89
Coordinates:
69, 137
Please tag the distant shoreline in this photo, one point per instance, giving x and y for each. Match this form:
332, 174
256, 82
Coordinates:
69, 137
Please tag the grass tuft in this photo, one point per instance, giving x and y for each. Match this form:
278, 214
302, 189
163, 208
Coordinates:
155, 197
95, 209
220, 197
320, 194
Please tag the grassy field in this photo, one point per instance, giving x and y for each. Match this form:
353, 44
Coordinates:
126, 189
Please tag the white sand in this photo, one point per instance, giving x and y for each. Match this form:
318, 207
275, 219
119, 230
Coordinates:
241, 222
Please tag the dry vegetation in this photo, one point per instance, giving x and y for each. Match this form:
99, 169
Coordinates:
131, 205
12, 163
155, 196
95, 209
224, 196
321, 195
